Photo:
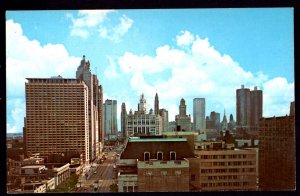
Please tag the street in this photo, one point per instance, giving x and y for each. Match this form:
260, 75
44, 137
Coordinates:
102, 178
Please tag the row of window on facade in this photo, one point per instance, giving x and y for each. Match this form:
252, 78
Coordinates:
224, 184
163, 173
232, 170
235, 156
159, 155
228, 163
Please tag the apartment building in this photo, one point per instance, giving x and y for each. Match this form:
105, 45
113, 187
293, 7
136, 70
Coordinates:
220, 167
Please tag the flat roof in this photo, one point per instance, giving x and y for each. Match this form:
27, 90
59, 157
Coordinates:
157, 140
179, 133
33, 166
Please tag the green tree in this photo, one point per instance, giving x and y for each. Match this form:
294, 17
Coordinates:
67, 185
113, 188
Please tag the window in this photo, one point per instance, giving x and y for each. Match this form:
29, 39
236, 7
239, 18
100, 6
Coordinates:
159, 155
146, 156
172, 155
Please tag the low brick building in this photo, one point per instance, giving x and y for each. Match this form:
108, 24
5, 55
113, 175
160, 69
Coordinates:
155, 164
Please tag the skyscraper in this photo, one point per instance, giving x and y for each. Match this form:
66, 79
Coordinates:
94, 101
183, 121
123, 120
156, 105
110, 118
57, 116
224, 122
249, 109
165, 119
215, 116
256, 103
231, 124
199, 114
243, 108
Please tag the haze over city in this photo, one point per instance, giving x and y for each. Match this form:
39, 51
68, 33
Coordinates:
176, 53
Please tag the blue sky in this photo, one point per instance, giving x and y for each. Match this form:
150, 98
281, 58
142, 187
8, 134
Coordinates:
177, 53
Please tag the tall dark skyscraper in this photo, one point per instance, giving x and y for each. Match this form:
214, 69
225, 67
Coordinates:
215, 116
156, 105
243, 107
256, 102
123, 120
249, 109
231, 124
94, 101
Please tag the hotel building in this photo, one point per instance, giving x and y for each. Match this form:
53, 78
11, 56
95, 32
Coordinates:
57, 116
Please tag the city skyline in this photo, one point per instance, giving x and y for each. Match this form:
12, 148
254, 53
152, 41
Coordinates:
203, 54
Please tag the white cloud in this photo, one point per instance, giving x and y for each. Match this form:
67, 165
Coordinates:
118, 31
111, 72
198, 70
278, 94
28, 59
185, 38
16, 110
87, 19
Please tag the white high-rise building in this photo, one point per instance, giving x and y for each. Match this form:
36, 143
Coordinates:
110, 118
199, 114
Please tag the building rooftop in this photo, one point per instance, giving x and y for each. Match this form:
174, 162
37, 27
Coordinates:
33, 166
179, 133
135, 149
157, 140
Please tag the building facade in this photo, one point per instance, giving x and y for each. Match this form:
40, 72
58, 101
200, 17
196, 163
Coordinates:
94, 106
243, 108
218, 168
183, 121
156, 105
141, 123
215, 118
224, 125
277, 157
154, 165
199, 114
249, 109
256, 102
123, 120
110, 118
57, 116
164, 119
